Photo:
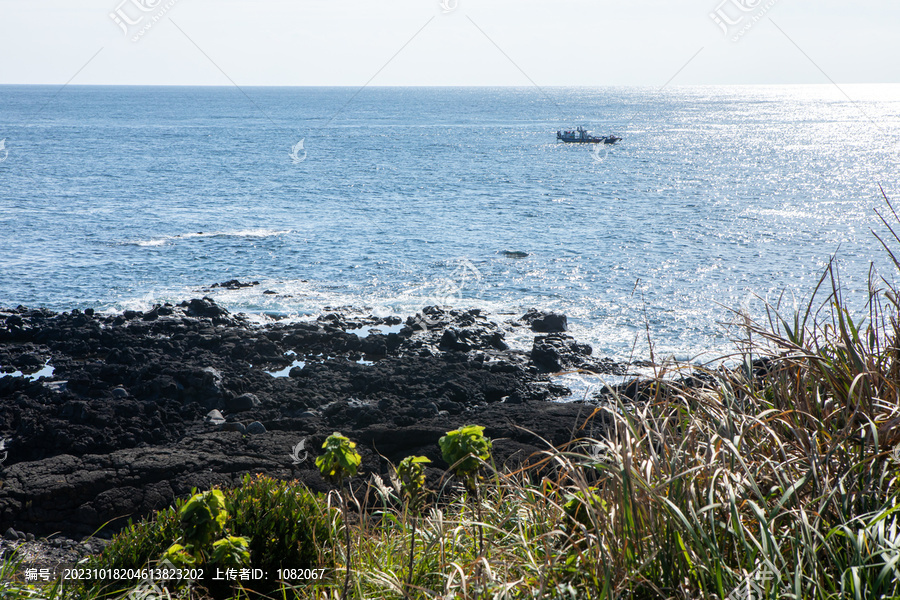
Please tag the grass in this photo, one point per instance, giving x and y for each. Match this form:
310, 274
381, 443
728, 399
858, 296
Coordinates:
778, 476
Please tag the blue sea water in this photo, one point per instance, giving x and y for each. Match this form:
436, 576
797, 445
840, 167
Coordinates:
717, 198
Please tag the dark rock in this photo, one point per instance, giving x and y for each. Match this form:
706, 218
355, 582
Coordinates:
450, 340
256, 428
557, 352
234, 284
242, 403
87, 454
496, 341
239, 427
11, 534
205, 307
545, 322
28, 362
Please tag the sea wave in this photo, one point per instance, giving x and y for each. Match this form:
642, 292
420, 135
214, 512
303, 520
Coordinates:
242, 233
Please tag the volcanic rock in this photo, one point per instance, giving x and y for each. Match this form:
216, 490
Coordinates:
256, 428
241, 403
133, 414
545, 322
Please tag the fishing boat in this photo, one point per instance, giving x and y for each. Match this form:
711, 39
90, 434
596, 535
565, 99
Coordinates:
583, 136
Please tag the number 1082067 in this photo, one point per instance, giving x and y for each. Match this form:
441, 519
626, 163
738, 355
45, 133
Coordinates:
301, 574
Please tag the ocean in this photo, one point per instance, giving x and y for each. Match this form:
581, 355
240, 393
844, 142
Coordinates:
717, 199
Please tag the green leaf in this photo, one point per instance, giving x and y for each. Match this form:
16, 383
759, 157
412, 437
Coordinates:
232, 551
411, 473
340, 460
179, 556
203, 517
465, 448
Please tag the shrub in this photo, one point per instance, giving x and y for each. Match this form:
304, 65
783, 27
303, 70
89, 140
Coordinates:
286, 523
464, 449
279, 524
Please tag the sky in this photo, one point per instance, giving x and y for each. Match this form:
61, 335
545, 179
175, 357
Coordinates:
449, 42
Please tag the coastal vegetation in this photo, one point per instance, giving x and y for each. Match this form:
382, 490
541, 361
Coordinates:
773, 474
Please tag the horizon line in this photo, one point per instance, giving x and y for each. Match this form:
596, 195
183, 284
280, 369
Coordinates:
412, 86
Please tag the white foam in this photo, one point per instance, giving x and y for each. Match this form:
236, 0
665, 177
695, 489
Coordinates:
242, 233
584, 385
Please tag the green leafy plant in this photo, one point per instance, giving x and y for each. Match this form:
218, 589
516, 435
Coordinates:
231, 551
580, 506
203, 519
179, 556
339, 461
411, 474
286, 523
465, 449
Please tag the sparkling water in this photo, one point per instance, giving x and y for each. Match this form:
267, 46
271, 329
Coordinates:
717, 198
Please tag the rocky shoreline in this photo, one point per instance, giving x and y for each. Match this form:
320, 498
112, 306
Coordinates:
109, 417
